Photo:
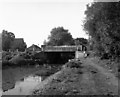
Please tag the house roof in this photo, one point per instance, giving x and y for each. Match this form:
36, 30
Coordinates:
34, 46
18, 40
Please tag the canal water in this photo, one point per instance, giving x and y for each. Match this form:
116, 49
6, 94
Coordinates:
24, 87
19, 81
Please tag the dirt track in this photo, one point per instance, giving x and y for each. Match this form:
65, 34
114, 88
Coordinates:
109, 75
91, 79
107, 78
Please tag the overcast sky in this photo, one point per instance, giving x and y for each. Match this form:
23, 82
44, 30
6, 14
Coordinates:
34, 19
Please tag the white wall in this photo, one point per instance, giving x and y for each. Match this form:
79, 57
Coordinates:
79, 54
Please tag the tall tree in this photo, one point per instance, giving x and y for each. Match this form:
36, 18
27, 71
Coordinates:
60, 36
102, 23
7, 39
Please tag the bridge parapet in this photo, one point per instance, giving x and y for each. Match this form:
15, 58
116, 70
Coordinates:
62, 48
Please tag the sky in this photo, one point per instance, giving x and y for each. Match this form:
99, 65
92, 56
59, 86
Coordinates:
34, 19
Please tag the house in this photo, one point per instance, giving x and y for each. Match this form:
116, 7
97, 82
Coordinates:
34, 48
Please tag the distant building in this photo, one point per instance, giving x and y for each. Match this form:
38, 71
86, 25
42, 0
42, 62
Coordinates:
18, 40
18, 44
34, 48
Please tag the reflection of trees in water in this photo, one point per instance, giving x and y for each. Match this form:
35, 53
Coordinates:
11, 75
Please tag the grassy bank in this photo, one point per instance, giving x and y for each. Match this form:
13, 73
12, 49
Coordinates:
78, 78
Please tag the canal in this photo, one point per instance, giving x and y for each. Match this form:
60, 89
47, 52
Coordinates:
22, 80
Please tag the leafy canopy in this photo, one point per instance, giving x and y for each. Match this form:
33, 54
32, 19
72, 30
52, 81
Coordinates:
9, 42
81, 41
59, 36
7, 39
102, 23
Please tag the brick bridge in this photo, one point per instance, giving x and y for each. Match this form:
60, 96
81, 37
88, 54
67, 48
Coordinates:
61, 54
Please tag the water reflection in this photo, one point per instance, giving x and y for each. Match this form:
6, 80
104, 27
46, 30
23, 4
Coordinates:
25, 86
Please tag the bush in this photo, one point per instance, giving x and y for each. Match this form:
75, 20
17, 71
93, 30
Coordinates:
19, 60
73, 64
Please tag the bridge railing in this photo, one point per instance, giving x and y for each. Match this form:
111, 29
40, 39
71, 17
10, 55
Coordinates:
62, 48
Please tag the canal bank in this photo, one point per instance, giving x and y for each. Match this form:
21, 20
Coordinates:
79, 78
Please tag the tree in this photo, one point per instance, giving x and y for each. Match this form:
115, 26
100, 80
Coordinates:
60, 36
9, 42
81, 41
7, 39
102, 23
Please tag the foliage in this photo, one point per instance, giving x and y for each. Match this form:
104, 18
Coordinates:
59, 36
102, 23
81, 41
22, 58
6, 56
10, 42
7, 39
73, 64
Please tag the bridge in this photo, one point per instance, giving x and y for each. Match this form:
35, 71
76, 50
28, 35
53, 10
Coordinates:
62, 48
57, 54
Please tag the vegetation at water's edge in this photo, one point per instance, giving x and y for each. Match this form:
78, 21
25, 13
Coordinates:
22, 58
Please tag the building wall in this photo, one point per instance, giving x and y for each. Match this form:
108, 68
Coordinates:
79, 54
